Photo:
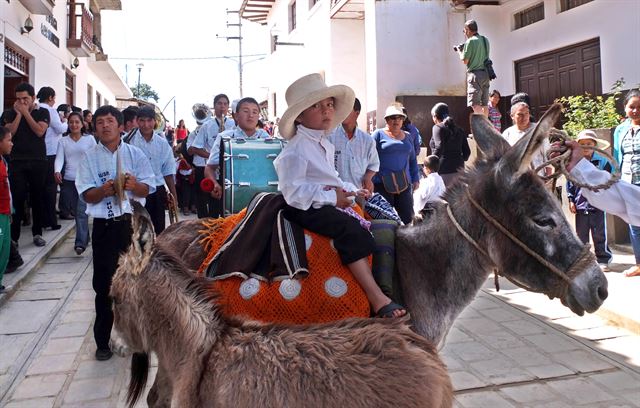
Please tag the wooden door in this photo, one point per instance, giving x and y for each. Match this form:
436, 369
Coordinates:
568, 71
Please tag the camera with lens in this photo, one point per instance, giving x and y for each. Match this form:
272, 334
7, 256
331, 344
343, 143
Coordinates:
459, 47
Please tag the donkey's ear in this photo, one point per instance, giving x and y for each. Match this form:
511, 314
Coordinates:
490, 143
518, 159
143, 233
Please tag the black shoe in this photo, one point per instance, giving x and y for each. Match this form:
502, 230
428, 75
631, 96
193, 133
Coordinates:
39, 241
56, 227
13, 266
103, 354
79, 250
67, 217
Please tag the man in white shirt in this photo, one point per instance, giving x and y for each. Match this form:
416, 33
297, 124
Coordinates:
57, 126
521, 125
201, 147
111, 209
356, 156
247, 114
160, 156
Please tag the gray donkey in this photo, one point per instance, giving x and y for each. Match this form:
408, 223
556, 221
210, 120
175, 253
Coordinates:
206, 360
441, 271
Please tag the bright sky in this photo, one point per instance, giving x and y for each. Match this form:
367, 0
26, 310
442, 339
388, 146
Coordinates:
161, 29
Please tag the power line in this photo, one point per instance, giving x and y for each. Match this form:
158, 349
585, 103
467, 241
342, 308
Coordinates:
184, 58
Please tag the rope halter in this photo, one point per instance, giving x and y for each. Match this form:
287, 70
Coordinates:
584, 258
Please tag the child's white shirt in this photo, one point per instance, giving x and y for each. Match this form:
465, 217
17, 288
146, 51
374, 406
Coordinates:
306, 173
431, 189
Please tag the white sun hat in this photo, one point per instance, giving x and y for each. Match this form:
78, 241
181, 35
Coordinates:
591, 135
311, 89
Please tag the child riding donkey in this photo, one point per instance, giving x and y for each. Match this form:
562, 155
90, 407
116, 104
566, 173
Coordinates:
313, 192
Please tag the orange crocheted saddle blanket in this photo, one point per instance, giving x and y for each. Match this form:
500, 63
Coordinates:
328, 293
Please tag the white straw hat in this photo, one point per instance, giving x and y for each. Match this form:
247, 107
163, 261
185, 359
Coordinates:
308, 90
591, 135
394, 109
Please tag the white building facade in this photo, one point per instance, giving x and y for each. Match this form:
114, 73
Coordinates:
57, 44
389, 50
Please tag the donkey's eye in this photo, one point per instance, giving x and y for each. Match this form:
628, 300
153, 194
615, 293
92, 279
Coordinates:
545, 222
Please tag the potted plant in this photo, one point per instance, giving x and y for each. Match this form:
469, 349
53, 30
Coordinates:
597, 113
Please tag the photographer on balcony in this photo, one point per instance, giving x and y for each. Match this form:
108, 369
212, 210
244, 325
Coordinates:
473, 54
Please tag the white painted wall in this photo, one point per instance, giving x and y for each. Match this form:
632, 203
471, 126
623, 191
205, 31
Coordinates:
48, 63
290, 62
413, 50
614, 21
348, 62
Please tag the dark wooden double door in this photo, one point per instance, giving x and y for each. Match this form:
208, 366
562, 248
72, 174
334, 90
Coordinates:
573, 70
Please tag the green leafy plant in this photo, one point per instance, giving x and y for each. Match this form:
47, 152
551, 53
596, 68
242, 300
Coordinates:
144, 91
591, 112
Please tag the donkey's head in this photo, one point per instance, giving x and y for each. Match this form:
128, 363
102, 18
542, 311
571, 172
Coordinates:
504, 185
128, 286
128, 292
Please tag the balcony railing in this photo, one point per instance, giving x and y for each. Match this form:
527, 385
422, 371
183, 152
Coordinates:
80, 41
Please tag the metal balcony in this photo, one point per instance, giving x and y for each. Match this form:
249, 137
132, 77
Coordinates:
80, 41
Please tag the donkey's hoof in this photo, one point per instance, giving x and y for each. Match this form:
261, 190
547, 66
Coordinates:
119, 347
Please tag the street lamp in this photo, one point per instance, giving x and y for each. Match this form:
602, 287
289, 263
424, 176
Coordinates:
140, 65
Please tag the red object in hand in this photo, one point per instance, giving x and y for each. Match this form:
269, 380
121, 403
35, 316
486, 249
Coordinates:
206, 185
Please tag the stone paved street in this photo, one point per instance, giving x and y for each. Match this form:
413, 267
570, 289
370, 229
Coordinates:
508, 349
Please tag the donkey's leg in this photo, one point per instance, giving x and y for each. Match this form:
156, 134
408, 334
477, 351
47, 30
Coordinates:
160, 393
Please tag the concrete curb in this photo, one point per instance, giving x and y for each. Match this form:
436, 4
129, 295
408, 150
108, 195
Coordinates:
35, 263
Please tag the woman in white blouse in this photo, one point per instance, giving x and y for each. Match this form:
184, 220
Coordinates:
71, 150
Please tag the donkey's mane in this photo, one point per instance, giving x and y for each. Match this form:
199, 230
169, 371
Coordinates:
198, 288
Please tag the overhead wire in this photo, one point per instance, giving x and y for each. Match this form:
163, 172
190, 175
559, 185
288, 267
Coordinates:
185, 58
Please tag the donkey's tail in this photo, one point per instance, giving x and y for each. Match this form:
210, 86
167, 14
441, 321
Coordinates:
139, 373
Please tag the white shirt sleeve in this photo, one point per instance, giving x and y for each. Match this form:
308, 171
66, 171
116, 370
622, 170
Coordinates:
621, 199
374, 159
201, 137
169, 163
59, 163
214, 156
295, 187
56, 123
84, 179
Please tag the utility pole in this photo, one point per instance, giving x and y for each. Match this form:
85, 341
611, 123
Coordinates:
239, 38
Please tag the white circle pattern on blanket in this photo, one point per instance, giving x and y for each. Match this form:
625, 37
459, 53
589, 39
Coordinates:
335, 287
307, 241
249, 288
290, 289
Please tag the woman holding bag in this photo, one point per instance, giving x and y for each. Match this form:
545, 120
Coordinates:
398, 174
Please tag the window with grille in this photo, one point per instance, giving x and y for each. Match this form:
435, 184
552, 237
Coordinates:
292, 16
16, 60
529, 16
569, 4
